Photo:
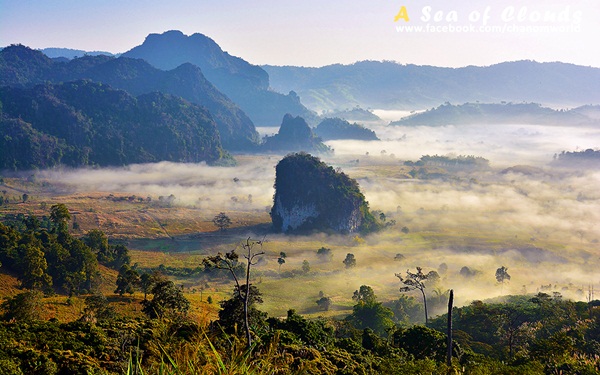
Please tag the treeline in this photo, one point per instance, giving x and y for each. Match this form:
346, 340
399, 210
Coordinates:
45, 256
449, 161
587, 158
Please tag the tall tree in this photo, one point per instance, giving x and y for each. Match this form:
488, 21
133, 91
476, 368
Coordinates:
229, 262
127, 280
416, 281
501, 276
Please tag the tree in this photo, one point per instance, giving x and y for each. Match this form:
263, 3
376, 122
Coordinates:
167, 299
305, 267
98, 242
33, 267
324, 303
229, 262
127, 280
232, 313
98, 307
25, 197
281, 259
501, 276
24, 306
325, 254
350, 261
222, 221
59, 215
368, 313
416, 281
148, 280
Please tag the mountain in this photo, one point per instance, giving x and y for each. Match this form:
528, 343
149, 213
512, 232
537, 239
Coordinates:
23, 67
507, 113
246, 84
336, 128
389, 85
294, 135
85, 123
311, 196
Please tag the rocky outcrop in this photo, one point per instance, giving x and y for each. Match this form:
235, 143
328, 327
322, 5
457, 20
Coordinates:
294, 135
311, 196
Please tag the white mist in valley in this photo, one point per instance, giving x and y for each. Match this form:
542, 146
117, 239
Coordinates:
541, 222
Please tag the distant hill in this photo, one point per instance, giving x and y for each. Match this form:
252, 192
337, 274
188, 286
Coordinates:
354, 114
294, 135
69, 53
23, 67
246, 84
84, 123
336, 128
312, 196
509, 113
389, 85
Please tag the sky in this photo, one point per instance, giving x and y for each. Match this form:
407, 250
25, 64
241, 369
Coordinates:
318, 32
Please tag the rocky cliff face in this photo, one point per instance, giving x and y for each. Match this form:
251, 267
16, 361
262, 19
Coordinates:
311, 196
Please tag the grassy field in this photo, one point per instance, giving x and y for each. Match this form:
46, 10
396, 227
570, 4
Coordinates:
542, 227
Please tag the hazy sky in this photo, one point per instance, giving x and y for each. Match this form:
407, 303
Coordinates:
316, 33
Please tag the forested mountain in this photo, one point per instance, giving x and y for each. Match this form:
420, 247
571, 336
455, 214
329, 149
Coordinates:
23, 67
312, 196
390, 85
508, 113
246, 84
84, 123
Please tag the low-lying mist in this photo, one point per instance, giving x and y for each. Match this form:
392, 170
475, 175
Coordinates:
541, 223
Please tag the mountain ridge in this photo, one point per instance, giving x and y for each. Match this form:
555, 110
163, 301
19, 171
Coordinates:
389, 85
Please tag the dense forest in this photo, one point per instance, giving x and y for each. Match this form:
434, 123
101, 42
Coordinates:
23, 67
84, 123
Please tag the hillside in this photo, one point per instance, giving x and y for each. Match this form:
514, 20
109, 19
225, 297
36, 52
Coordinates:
84, 123
507, 113
311, 196
23, 67
389, 85
336, 128
246, 84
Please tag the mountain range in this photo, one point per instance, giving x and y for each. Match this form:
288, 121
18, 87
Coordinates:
21, 66
246, 84
503, 113
389, 85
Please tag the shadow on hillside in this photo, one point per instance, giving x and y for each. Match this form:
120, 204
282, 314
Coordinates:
201, 242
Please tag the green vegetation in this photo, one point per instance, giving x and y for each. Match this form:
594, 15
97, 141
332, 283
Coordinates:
336, 128
332, 200
83, 123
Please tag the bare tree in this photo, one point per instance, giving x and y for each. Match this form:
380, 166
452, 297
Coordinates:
416, 281
228, 262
